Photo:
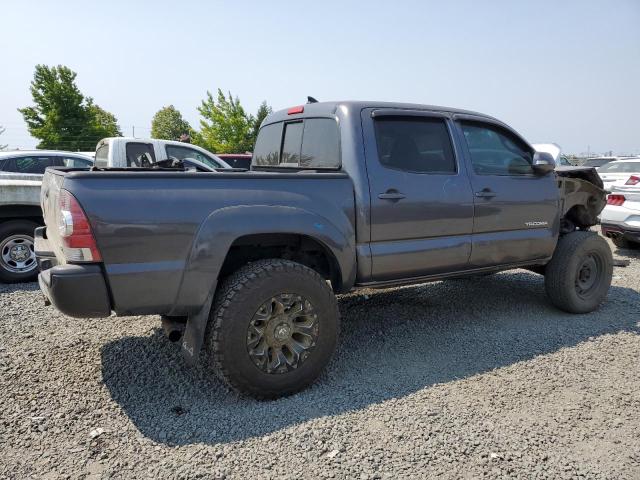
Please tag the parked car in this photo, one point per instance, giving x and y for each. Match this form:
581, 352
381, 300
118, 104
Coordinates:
618, 173
597, 162
620, 219
123, 152
36, 161
20, 213
237, 160
341, 195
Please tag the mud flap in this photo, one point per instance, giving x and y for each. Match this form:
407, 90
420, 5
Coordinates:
193, 337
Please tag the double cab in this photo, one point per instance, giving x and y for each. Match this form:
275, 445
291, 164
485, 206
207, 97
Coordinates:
340, 195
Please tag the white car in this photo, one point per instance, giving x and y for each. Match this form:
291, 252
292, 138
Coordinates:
125, 152
620, 219
20, 213
620, 173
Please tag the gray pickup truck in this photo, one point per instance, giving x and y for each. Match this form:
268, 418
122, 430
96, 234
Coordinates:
340, 195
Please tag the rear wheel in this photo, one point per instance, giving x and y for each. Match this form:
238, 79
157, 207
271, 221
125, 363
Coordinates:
578, 277
17, 256
273, 328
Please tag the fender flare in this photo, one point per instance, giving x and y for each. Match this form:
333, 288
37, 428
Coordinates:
213, 242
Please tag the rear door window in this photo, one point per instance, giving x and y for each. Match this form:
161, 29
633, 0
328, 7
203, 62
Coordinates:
415, 144
312, 143
140, 155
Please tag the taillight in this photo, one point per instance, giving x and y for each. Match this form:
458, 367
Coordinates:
615, 200
633, 180
78, 243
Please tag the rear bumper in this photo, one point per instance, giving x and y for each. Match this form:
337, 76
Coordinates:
620, 229
76, 290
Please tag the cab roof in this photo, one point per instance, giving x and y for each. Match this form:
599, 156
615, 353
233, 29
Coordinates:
330, 108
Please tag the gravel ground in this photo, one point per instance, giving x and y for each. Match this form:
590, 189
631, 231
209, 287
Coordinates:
461, 379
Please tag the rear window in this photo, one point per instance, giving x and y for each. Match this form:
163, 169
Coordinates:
140, 155
311, 143
620, 167
102, 156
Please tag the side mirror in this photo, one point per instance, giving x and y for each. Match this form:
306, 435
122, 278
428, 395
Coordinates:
543, 163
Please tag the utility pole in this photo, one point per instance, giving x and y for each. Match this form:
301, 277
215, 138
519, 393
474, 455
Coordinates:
133, 130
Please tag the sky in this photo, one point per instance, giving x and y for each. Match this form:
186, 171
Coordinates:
558, 71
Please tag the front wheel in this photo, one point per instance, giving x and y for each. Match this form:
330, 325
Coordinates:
578, 277
17, 257
273, 328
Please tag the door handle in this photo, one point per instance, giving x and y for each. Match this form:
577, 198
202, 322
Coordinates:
485, 193
391, 195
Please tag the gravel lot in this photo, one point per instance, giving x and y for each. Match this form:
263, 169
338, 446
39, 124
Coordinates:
462, 379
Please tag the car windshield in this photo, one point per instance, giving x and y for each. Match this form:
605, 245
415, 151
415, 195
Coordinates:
564, 161
595, 162
183, 153
206, 160
620, 167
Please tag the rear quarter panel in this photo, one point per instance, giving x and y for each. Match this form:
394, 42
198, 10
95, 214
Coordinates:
163, 236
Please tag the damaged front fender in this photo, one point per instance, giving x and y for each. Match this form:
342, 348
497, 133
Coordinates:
582, 196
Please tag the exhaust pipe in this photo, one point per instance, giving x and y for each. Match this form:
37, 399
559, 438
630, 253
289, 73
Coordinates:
174, 327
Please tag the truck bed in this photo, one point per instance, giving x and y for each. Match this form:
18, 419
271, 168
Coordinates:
159, 231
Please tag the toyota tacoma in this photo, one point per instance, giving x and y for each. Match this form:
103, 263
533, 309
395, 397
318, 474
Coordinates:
245, 265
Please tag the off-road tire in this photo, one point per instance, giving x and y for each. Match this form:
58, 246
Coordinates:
237, 301
621, 242
562, 273
17, 227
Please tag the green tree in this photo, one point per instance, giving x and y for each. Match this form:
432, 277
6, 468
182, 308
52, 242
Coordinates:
103, 124
225, 127
168, 124
62, 118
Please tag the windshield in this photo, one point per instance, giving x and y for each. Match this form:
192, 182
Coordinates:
182, 153
564, 161
594, 162
621, 167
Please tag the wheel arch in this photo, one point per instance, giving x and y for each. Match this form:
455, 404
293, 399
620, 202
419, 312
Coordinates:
21, 212
267, 229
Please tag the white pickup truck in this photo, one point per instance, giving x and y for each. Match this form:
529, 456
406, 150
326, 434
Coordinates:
126, 152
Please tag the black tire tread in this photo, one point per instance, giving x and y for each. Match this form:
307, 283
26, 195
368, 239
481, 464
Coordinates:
231, 287
556, 279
